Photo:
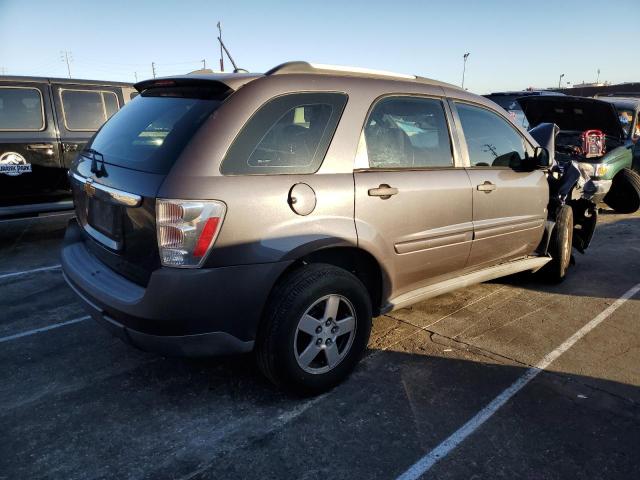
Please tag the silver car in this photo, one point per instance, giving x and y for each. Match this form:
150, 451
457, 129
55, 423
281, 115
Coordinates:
280, 212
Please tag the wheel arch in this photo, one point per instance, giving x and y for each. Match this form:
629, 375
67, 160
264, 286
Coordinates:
355, 260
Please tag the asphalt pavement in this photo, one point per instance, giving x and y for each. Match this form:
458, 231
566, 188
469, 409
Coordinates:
76, 403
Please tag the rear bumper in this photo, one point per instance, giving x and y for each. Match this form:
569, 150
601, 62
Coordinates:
191, 312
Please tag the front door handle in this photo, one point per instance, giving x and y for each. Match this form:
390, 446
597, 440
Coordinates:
45, 148
384, 191
486, 187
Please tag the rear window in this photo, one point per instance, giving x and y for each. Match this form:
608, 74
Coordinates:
150, 132
21, 109
289, 134
87, 110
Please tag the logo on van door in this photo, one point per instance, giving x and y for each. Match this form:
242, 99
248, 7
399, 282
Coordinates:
14, 164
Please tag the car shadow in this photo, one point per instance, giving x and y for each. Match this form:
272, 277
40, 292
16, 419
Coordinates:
218, 418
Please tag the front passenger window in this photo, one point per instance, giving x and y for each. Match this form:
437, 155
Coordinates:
409, 133
491, 140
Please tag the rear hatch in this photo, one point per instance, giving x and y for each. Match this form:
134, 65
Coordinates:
116, 178
573, 114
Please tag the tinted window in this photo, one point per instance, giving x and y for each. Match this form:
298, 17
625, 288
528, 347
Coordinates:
491, 140
21, 109
289, 134
408, 132
87, 109
149, 133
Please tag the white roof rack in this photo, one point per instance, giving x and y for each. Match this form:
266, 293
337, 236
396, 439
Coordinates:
369, 71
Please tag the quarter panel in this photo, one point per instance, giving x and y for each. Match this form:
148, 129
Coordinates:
260, 226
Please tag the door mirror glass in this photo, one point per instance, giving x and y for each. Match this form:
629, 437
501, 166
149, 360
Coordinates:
542, 157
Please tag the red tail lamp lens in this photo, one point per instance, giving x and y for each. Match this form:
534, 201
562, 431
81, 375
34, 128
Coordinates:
208, 232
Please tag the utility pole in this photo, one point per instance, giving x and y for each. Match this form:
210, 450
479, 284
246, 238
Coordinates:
153, 69
221, 54
66, 57
560, 80
204, 63
3, 71
598, 77
464, 66
135, 75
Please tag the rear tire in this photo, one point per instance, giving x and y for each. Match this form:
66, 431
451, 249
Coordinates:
624, 195
306, 342
560, 245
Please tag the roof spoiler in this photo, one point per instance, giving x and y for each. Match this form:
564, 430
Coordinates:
222, 83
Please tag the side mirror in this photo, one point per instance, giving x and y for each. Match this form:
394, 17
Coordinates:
541, 157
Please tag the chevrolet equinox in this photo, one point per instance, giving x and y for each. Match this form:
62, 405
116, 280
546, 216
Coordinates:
280, 212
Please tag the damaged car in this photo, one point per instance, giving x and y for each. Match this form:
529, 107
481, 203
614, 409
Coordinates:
280, 212
591, 135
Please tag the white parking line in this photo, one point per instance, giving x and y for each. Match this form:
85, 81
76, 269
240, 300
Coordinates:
25, 272
43, 329
423, 465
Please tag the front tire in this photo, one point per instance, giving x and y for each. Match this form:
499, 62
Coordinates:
560, 245
315, 329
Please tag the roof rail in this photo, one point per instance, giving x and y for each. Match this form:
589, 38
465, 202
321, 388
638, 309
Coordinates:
307, 67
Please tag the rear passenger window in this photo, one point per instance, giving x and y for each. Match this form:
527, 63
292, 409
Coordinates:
289, 134
491, 140
87, 109
21, 109
405, 132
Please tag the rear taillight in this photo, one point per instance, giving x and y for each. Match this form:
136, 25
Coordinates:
187, 229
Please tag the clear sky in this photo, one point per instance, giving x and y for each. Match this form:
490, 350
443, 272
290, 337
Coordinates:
513, 44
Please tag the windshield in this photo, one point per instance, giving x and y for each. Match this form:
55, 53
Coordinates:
151, 131
626, 120
508, 102
511, 105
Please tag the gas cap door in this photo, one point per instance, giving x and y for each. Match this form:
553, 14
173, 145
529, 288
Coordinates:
302, 199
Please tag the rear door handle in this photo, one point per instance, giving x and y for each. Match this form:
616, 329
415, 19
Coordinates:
384, 191
486, 187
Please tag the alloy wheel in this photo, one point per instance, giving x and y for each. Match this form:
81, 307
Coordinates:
324, 334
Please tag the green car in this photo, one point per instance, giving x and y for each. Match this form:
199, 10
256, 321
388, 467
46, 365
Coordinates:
628, 108
610, 163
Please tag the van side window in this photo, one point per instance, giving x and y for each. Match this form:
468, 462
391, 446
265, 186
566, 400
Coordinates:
491, 140
21, 109
289, 134
87, 110
408, 132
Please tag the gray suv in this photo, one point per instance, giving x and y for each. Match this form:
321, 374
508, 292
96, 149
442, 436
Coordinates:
280, 212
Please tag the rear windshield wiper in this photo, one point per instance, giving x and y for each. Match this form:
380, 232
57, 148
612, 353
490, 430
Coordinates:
94, 155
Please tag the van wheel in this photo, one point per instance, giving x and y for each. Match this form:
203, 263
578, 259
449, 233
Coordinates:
560, 245
624, 195
315, 329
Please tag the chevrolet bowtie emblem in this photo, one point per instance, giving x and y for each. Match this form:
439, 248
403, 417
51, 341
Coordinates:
89, 189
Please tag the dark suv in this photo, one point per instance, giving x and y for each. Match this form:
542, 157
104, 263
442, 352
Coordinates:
280, 212
44, 122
